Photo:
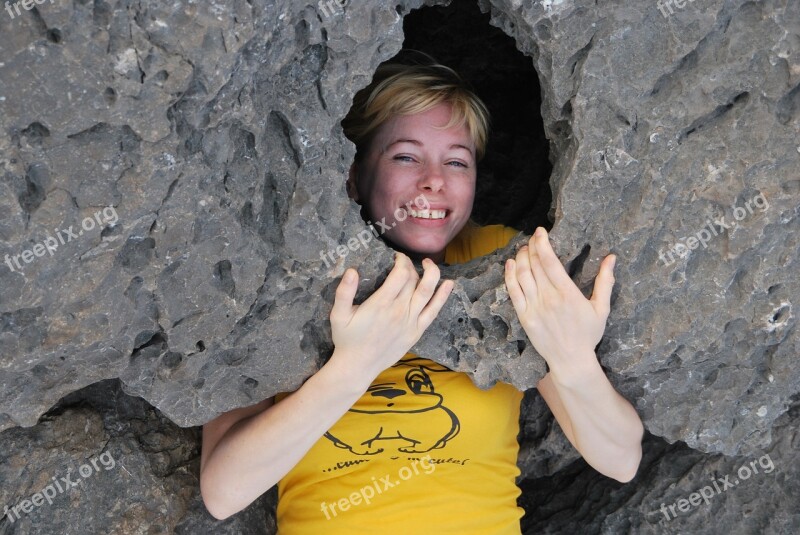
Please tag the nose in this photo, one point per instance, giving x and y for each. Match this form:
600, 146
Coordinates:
432, 179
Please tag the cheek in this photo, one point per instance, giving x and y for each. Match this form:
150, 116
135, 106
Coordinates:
385, 192
380, 203
467, 193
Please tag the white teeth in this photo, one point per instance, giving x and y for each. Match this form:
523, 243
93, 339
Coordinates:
428, 214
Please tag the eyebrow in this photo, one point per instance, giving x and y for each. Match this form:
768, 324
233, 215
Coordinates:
419, 143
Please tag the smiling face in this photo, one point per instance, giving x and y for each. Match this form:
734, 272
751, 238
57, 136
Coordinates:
409, 158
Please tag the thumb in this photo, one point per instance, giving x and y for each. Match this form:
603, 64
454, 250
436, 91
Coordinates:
603, 284
345, 293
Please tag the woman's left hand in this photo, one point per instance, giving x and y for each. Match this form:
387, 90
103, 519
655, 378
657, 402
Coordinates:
560, 322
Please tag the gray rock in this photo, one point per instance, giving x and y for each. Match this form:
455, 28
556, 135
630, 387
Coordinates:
700, 493
197, 148
113, 464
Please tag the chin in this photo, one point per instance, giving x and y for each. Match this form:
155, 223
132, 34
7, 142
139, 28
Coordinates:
424, 248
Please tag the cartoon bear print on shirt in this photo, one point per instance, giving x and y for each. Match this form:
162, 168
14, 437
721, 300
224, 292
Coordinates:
411, 416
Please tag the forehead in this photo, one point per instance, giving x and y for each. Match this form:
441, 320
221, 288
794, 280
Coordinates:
425, 128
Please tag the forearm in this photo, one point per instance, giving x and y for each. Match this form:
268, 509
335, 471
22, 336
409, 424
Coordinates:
606, 429
258, 451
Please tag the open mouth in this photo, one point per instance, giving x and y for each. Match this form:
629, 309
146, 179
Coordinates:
428, 214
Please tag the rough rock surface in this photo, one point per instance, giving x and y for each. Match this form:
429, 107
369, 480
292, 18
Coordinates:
146, 481
740, 495
213, 132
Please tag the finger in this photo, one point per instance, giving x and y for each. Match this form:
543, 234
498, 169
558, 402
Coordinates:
397, 279
543, 283
524, 273
515, 292
411, 277
553, 267
425, 288
603, 285
345, 293
433, 307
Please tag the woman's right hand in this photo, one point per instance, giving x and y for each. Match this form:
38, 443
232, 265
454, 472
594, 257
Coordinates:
247, 451
377, 333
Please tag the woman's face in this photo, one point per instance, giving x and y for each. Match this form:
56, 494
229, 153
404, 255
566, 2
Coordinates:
411, 167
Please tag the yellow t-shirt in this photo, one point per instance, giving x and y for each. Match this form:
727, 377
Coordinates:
423, 451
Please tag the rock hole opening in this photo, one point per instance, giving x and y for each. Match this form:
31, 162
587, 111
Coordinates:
513, 184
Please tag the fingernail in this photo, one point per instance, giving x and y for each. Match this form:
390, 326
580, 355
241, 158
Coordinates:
539, 231
613, 262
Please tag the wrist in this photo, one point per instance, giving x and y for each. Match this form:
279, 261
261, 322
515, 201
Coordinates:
577, 372
350, 370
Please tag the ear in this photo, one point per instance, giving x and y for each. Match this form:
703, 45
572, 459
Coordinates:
352, 182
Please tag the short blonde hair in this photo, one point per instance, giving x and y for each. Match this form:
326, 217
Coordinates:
400, 89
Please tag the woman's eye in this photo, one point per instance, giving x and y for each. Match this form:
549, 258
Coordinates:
404, 158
